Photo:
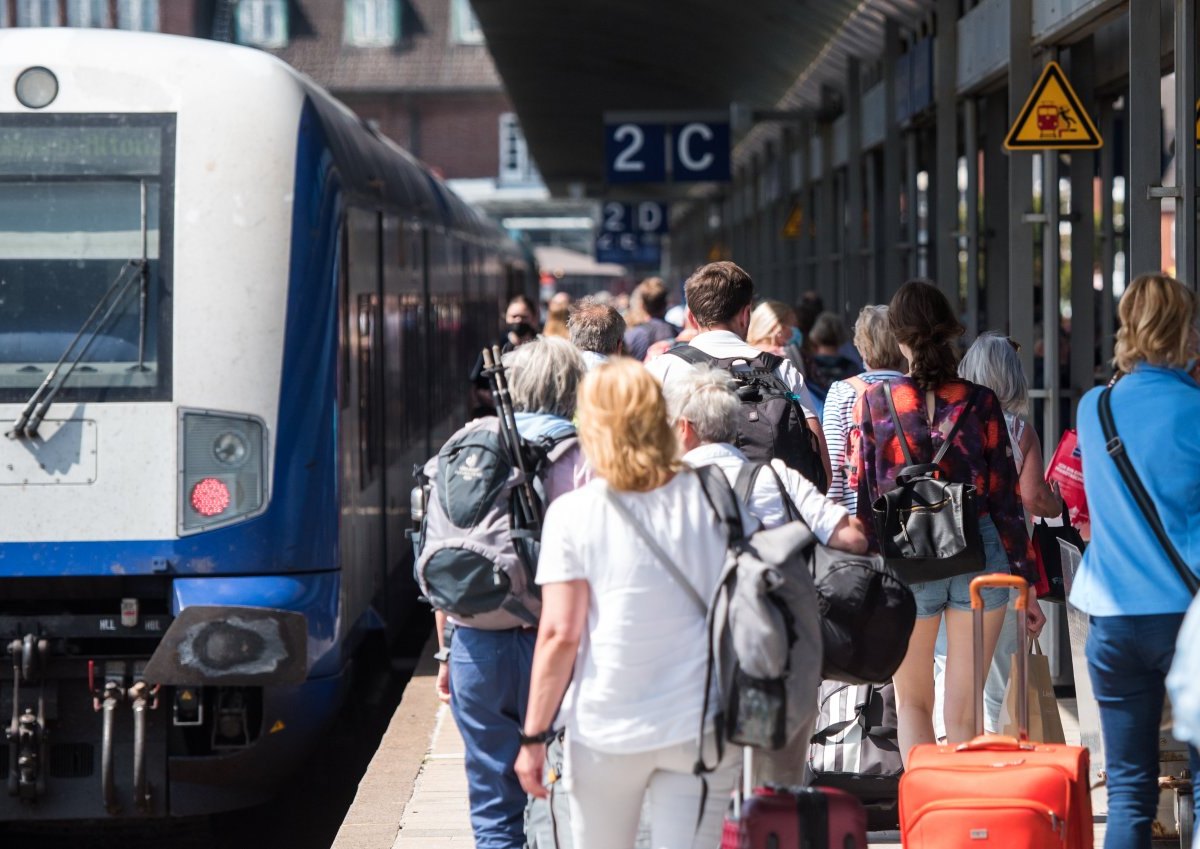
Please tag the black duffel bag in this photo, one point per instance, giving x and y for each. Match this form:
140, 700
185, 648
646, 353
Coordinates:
928, 528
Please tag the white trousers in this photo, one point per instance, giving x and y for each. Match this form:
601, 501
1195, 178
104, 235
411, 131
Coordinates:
606, 793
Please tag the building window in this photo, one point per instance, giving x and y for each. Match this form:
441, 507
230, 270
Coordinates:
263, 23
3, 14
88, 13
138, 15
372, 23
516, 166
38, 13
464, 26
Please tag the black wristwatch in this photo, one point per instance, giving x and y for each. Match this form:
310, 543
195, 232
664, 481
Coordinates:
535, 739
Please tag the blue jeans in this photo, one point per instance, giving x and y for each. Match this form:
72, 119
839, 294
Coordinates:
489, 690
933, 597
1128, 658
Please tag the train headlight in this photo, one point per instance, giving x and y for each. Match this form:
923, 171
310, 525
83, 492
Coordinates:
36, 87
231, 449
222, 475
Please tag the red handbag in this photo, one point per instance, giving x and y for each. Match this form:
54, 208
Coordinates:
1066, 468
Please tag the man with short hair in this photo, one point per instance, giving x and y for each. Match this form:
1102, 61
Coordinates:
651, 296
719, 297
596, 329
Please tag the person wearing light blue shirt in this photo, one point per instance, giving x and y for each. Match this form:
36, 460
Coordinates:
1134, 597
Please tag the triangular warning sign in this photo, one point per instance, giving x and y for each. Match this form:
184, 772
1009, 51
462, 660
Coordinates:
1052, 118
794, 226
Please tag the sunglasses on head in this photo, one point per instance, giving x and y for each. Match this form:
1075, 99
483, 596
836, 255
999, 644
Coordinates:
1016, 346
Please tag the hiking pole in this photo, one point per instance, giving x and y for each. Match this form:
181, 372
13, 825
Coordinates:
526, 499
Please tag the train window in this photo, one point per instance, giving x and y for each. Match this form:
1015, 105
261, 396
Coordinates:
370, 404
85, 247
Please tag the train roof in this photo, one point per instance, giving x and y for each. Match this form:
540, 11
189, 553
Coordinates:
372, 167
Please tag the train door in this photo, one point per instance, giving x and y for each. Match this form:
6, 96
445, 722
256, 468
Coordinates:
361, 436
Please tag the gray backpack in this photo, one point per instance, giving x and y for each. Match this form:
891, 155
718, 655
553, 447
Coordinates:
477, 560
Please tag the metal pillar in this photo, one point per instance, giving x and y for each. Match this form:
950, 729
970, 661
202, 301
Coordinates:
1145, 121
1108, 234
876, 251
971, 142
914, 225
854, 271
892, 261
1020, 187
825, 217
1051, 268
1185, 142
995, 212
804, 246
945, 178
1083, 232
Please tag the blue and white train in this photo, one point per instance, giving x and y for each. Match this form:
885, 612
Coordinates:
232, 317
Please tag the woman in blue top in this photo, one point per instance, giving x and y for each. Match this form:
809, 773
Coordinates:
1127, 585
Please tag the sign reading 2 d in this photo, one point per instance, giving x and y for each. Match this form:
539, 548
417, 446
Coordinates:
665, 148
630, 233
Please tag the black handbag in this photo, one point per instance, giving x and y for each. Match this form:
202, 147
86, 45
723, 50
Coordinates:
928, 528
1051, 585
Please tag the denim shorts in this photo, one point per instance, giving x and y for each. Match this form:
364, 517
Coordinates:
935, 596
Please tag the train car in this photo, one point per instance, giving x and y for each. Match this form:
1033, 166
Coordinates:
232, 318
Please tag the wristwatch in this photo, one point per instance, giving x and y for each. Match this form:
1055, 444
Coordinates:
535, 739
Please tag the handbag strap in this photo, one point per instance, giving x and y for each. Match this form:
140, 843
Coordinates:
657, 551
941, 453
1116, 450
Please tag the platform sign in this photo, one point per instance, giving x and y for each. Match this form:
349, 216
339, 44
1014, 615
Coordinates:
635, 152
631, 233
666, 148
1053, 118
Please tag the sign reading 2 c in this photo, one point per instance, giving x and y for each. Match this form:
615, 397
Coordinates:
650, 151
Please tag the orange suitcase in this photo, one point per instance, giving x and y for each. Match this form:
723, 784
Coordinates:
995, 790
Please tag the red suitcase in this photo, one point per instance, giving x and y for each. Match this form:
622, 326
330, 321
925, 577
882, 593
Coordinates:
795, 818
996, 790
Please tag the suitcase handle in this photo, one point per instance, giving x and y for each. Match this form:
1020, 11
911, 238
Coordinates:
981, 670
997, 742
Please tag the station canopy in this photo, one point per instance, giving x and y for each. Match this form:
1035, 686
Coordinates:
567, 63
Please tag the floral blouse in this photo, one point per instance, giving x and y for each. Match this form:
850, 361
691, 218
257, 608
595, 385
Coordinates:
981, 455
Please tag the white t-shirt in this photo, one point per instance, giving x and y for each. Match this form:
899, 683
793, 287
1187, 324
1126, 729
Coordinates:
821, 514
638, 683
723, 344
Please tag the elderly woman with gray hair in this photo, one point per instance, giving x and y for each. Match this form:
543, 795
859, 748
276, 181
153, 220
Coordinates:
883, 361
485, 674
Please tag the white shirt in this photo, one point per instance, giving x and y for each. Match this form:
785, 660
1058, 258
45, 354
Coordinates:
723, 344
766, 501
591, 359
638, 683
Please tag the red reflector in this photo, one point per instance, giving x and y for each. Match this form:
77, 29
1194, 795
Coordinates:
210, 497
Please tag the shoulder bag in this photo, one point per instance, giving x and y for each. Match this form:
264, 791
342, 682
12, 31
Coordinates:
928, 528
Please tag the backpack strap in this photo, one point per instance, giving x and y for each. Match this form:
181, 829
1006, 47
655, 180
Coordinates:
693, 355
887, 391
723, 500
859, 386
941, 454
747, 476
1116, 450
937, 458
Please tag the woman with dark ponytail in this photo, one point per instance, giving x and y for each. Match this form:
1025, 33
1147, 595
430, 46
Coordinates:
929, 400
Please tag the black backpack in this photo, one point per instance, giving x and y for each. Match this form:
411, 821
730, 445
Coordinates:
771, 424
867, 612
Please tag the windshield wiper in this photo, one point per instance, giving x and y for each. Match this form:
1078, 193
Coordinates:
32, 414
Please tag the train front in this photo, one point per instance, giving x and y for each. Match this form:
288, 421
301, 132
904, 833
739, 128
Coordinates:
169, 623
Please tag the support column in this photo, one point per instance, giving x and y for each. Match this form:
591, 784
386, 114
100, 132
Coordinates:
854, 273
945, 177
893, 259
825, 217
1051, 267
1185, 142
971, 143
995, 212
911, 167
1108, 234
1145, 149
1083, 232
1020, 187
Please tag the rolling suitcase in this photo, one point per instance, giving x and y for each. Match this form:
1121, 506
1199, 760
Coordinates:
793, 818
996, 790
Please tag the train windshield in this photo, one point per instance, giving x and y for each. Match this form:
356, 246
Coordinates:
85, 245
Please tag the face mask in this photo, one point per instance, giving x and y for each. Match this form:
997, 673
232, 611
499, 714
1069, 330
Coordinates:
521, 329
797, 337
1191, 365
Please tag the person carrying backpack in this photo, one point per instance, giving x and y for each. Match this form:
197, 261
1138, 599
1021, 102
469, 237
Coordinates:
776, 420
477, 562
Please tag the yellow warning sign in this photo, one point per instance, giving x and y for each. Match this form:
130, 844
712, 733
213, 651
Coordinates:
277, 727
794, 226
1052, 118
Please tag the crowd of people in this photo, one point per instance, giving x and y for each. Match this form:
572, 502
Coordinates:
616, 658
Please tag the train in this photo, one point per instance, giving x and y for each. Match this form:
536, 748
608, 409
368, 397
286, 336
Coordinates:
233, 316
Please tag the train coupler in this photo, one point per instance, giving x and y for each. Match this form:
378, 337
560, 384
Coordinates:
26, 733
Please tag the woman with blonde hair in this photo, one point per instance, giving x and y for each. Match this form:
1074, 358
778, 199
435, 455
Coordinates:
1134, 583
771, 326
623, 633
